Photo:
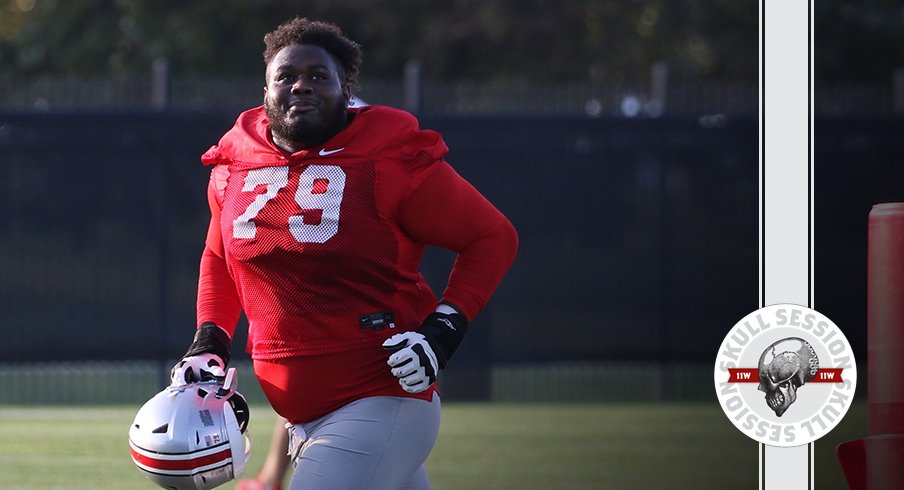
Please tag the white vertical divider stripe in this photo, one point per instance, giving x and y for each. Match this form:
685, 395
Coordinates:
785, 192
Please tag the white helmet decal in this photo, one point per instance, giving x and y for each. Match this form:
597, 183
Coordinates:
192, 437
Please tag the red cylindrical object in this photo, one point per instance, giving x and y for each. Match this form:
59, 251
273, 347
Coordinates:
883, 462
885, 319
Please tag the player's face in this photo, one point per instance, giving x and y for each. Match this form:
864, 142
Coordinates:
306, 97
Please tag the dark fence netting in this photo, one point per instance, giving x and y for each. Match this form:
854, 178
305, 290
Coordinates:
857, 163
639, 237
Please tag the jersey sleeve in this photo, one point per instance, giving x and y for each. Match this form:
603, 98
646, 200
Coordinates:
447, 211
218, 301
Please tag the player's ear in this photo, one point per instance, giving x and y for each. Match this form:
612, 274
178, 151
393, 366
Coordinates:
266, 81
347, 93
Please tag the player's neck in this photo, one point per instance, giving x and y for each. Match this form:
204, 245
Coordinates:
316, 138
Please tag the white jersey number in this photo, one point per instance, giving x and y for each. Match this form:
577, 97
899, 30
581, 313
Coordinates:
320, 188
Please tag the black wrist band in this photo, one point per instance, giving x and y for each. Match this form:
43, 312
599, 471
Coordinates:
210, 338
444, 332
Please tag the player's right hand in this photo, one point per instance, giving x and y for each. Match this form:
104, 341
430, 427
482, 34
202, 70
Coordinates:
201, 367
206, 358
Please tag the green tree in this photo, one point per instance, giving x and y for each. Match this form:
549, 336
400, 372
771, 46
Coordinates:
611, 40
858, 41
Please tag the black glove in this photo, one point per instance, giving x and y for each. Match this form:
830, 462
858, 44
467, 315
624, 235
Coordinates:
206, 358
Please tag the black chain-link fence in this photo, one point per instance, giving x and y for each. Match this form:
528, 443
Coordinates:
629, 230
639, 237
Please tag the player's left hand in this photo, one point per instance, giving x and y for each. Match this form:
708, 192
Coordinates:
420, 355
413, 361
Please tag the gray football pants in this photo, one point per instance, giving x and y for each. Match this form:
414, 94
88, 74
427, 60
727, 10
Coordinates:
377, 443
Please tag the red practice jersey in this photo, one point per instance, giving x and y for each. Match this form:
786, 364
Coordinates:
321, 248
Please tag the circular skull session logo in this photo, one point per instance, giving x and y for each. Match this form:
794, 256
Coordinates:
785, 375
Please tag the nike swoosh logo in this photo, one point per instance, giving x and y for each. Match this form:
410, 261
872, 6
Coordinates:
324, 152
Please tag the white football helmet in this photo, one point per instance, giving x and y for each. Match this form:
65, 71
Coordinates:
193, 436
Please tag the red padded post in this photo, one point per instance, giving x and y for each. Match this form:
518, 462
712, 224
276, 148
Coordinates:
876, 462
885, 319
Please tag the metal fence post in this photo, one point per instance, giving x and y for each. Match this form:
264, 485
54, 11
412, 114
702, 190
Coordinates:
160, 84
413, 87
898, 91
659, 85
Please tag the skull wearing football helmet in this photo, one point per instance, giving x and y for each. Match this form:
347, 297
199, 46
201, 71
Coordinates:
192, 437
784, 367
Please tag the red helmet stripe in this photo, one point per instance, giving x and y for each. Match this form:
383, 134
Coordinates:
181, 464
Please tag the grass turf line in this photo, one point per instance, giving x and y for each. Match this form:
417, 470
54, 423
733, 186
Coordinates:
481, 446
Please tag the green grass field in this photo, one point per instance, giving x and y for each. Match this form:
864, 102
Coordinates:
481, 446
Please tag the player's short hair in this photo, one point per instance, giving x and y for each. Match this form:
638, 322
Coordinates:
301, 30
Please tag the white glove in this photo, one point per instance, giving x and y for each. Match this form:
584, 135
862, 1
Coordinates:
413, 361
201, 367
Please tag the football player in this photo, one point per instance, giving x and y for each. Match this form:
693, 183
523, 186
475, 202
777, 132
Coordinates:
320, 213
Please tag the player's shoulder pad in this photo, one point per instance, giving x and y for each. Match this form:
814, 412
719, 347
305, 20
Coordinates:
213, 156
219, 175
403, 120
401, 134
245, 142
